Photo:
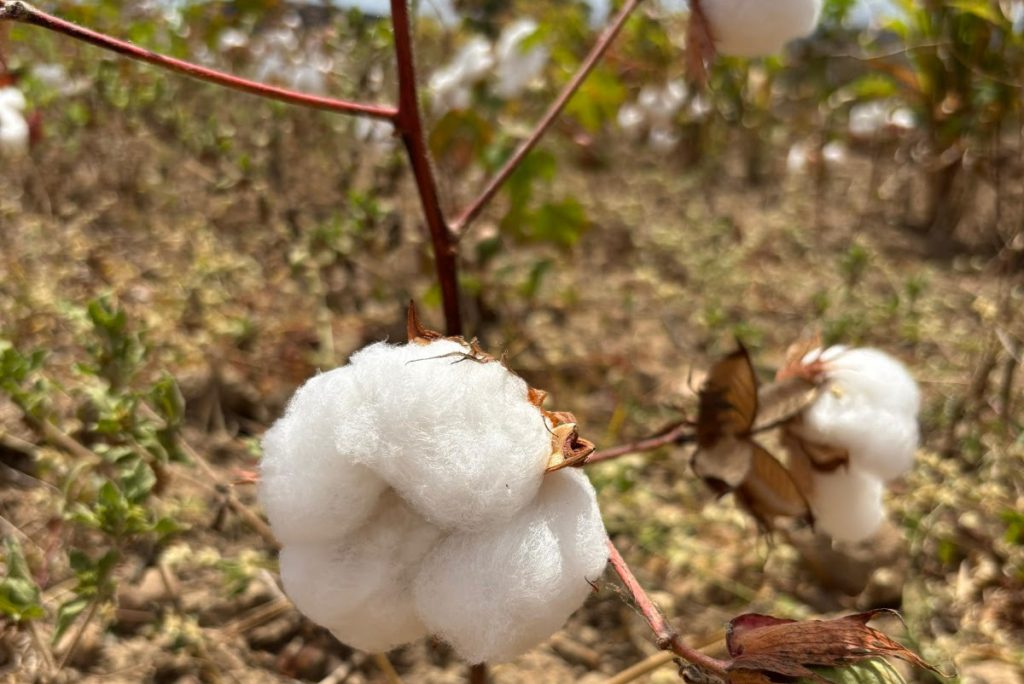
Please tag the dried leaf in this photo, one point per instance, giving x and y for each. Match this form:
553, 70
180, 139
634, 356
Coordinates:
785, 647
725, 465
700, 45
770, 491
728, 399
783, 400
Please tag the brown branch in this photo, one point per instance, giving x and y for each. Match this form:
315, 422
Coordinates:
667, 637
410, 127
470, 213
478, 674
20, 11
681, 434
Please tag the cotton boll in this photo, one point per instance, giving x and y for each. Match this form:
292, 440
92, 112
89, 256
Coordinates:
495, 594
311, 487
631, 120
474, 61
867, 120
14, 133
869, 407
516, 66
663, 139
12, 98
799, 157
464, 446
834, 153
753, 28
847, 504
447, 91
361, 587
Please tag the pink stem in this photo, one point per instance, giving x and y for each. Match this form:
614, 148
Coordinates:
470, 213
667, 637
23, 12
680, 434
410, 127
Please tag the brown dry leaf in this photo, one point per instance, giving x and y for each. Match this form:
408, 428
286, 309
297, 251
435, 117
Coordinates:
728, 399
700, 45
767, 644
724, 465
783, 400
770, 491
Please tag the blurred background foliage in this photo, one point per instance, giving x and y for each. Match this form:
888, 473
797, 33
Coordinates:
177, 259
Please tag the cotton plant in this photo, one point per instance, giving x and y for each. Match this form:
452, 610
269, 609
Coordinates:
859, 434
14, 127
755, 28
870, 120
420, 490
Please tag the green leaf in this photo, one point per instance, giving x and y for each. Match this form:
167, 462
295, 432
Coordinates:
873, 671
598, 99
137, 481
562, 223
66, 614
983, 9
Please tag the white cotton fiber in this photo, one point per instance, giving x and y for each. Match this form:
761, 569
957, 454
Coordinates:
518, 65
847, 504
409, 491
458, 438
497, 593
361, 587
12, 98
869, 407
753, 28
312, 490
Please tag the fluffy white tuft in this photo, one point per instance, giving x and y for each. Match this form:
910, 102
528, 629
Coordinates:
753, 28
312, 490
457, 439
518, 65
497, 593
361, 587
408, 489
868, 407
847, 504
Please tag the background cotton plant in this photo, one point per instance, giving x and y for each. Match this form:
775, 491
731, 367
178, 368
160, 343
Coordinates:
404, 483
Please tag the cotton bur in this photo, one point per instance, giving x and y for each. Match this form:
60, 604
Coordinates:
413, 494
860, 433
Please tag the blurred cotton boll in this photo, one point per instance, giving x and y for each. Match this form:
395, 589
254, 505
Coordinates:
847, 504
631, 120
403, 484
518, 65
555, 545
451, 86
755, 28
868, 407
14, 128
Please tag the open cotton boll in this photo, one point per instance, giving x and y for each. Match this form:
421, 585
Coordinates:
497, 593
518, 66
869, 407
463, 444
631, 120
474, 61
12, 98
311, 487
14, 133
847, 504
361, 587
754, 28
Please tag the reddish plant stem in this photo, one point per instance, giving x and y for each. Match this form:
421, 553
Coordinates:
667, 637
478, 674
410, 127
471, 212
681, 434
23, 12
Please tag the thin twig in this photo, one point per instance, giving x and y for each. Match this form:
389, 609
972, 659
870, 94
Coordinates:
681, 434
21, 11
667, 637
382, 662
460, 224
657, 660
41, 646
90, 613
410, 127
